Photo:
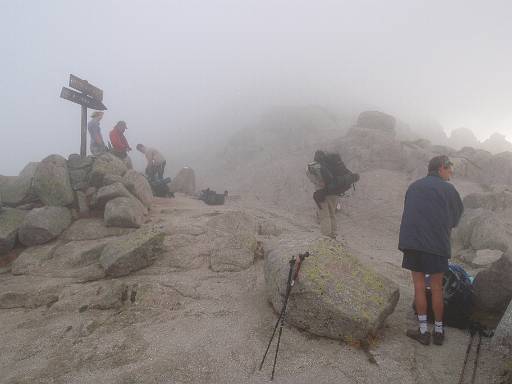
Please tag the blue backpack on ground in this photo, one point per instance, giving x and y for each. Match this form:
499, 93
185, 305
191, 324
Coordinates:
458, 298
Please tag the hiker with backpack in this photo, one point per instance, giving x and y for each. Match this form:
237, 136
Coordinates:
432, 208
331, 178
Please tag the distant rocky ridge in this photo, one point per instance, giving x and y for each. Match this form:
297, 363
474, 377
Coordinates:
464, 137
497, 143
278, 155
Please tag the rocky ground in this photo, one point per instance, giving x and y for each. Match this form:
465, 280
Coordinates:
90, 307
178, 321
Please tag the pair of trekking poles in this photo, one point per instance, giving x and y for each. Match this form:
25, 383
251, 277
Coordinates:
474, 329
292, 278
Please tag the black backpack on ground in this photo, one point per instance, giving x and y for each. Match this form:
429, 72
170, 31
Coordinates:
458, 298
212, 198
160, 187
340, 178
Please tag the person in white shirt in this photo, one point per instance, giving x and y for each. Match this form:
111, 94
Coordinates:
156, 162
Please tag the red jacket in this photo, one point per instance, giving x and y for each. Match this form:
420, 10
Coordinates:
118, 141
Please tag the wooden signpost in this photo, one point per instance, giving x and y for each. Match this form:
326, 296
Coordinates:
88, 97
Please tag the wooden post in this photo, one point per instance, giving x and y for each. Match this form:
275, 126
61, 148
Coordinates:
83, 139
88, 96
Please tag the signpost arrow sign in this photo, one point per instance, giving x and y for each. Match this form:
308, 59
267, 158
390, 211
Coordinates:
88, 97
82, 99
84, 86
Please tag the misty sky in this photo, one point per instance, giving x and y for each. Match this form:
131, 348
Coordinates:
172, 68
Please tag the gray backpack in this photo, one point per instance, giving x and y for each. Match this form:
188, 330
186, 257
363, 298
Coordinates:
314, 174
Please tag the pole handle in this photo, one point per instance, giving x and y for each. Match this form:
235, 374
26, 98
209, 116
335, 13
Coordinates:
302, 256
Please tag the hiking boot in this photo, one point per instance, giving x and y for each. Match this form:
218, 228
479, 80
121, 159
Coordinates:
423, 338
438, 338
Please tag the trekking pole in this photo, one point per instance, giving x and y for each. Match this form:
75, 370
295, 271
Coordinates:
292, 277
283, 314
474, 328
475, 364
288, 289
472, 332
461, 377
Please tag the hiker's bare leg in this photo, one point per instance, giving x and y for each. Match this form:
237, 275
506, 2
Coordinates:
331, 205
436, 283
420, 298
325, 219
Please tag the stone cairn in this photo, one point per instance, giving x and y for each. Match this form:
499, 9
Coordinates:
39, 204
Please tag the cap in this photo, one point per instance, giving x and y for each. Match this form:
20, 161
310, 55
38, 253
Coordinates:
121, 125
96, 114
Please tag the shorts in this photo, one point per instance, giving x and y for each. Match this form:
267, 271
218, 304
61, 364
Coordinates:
419, 261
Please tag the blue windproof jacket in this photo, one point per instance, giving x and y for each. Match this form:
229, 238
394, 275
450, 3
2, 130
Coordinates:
432, 208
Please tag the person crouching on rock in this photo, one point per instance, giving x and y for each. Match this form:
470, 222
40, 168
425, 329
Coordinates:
156, 162
120, 146
432, 208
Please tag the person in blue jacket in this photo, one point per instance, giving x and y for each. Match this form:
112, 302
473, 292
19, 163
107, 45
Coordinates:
97, 146
432, 208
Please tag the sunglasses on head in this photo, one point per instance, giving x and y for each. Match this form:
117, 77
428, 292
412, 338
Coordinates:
447, 164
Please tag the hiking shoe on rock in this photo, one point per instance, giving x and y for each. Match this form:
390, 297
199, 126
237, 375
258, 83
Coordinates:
423, 338
438, 338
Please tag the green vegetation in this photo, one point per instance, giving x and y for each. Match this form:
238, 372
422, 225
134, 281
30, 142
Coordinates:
332, 269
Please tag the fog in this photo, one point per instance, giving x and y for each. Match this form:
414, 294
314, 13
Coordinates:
185, 73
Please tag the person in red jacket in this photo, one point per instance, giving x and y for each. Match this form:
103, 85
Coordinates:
120, 146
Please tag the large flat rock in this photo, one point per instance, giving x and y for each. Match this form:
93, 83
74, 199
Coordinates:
78, 260
99, 295
33, 258
335, 296
132, 252
29, 292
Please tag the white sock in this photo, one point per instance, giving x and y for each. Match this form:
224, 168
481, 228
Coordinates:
423, 323
438, 326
